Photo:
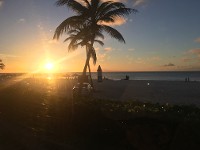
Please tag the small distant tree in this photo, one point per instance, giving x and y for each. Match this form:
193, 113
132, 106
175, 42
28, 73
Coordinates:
2, 66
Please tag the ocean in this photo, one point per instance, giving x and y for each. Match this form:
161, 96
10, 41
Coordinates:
163, 76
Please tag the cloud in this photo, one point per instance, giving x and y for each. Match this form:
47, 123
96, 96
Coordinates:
195, 51
140, 61
192, 55
138, 2
197, 40
101, 57
156, 58
118, 22
169, 65
8, 55
129, 59
21, 20
185, 59
108, 48
131, 49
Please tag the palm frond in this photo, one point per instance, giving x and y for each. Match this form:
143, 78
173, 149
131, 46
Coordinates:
99, 35
116, 5
73, 5
105, 19
72, 47
68, 38
113, 33
2, 66
77, 7
73, 31
94, 6
121, 12
102, 9
99, 42
92, 53
63, 2
109, 6
75, 38
66, 25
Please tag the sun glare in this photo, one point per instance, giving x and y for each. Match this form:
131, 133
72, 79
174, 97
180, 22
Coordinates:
49, 66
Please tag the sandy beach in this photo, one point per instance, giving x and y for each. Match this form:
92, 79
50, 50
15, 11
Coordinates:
38, 114
171, 92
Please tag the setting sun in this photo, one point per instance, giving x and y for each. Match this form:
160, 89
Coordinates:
49, 66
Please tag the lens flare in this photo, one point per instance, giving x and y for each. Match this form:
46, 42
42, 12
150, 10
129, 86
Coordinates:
49, 66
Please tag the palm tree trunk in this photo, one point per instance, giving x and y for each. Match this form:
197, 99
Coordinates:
86, 65
92, 43
83, 77
90, 75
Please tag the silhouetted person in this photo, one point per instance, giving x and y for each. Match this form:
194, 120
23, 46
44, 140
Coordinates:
185, 79
99, 74
127, 77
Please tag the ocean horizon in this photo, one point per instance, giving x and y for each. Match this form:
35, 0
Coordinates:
153, 75
143, 75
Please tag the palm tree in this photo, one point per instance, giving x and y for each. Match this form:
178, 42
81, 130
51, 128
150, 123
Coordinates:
78, 37
2, 66
93, 14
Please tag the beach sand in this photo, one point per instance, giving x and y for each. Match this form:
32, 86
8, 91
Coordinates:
171, 92
40, 114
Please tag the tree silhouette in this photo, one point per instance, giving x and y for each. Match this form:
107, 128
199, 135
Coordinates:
78, 37
93, 15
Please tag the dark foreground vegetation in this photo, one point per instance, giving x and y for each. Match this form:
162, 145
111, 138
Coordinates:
34, 116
